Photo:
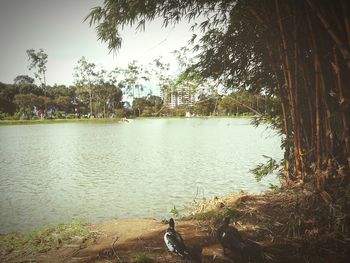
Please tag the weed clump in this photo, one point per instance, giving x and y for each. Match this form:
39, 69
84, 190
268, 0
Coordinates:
45, 239
143, 258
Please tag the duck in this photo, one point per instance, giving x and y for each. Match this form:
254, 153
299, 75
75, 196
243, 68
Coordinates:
174, 241
230, 239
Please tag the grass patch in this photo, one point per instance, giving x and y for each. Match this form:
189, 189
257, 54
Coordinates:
213, 211
142, 258
45, 239
26, 122
216, 215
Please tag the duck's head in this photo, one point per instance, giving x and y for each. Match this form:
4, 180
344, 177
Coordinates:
171, 223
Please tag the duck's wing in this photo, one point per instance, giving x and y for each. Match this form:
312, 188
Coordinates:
175, 243
229, 237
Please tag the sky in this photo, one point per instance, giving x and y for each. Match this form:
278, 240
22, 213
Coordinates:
57, 27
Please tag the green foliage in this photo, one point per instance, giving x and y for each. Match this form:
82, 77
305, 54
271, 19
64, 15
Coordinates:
49, 237
38, 62
134, 77
213, 215
17, 115
4, 116
29, 89
147, 106
63, 103
70, 116
142, 258
174, 211
59, 115
26, 101
180, 111
161, 72
264, 169
139, 104
86, 76
24, 117
35, 118
120, 113
46, 238
206, 105
23, 80
273, 187
216, 215
147, 112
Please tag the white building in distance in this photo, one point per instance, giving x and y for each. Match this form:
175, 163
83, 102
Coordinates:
180, 95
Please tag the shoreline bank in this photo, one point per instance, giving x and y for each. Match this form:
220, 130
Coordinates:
106, 120
283, 222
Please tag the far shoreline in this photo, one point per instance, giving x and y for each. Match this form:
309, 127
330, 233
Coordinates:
109, 120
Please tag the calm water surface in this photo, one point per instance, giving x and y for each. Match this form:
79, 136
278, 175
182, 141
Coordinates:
54, 173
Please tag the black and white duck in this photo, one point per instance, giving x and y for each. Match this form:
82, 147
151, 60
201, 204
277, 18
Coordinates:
174, 241
231, 240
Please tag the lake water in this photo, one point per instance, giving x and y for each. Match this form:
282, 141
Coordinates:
54, 173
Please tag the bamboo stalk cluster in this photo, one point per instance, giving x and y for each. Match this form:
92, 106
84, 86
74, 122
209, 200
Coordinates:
308, 48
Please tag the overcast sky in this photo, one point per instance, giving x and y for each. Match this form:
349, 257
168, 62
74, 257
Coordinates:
58, 28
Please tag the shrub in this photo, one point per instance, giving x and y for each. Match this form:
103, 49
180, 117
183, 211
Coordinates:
24, 117
147, 112
17, 115
70, 116
4, 116
59, 115
35, 117
119, 113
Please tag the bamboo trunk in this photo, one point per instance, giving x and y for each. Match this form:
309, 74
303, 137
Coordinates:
298, 166
343, 115
345, 7
284, 112
317, 83
340, 44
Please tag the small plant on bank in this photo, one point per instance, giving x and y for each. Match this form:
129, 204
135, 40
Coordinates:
143, 258
53, 236
174, 211
45, 239
273, 187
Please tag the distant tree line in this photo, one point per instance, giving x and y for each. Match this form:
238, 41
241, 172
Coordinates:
98, 93
25, 100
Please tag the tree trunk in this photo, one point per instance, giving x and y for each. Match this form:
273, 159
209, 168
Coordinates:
90, 98
104, 110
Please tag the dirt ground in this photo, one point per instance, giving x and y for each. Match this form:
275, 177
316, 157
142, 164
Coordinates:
131, 238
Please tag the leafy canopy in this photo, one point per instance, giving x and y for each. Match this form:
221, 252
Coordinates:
114, 15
